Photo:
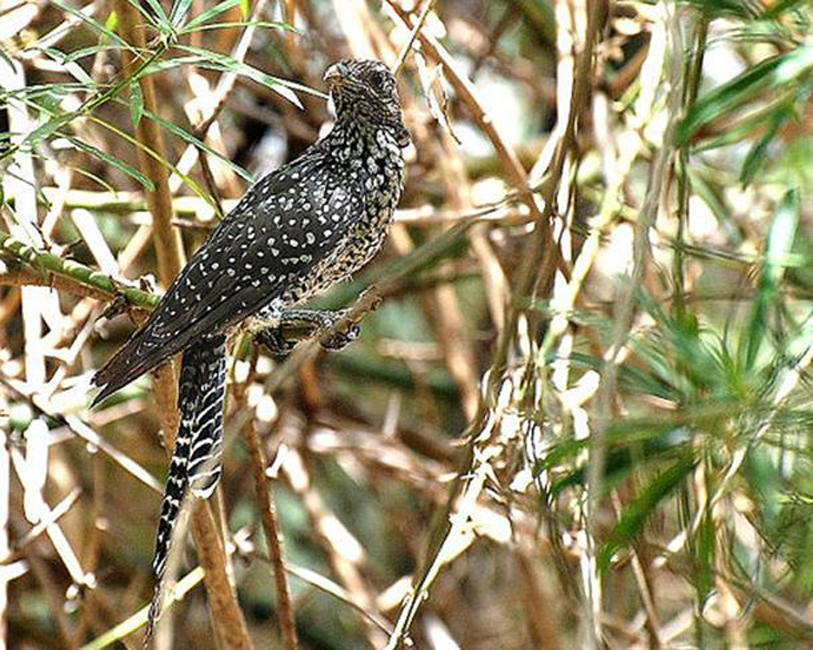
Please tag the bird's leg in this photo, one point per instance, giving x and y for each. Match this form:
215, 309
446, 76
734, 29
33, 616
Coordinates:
278, 340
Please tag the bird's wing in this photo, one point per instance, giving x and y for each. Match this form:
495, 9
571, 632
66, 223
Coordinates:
285, 225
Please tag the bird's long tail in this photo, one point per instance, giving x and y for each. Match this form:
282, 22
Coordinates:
196, 459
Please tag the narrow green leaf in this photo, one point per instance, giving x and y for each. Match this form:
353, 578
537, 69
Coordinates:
727, 96
169, 64
702, 557
6, 58
759, 150
114, 161
94, 24
157, 17
777, 252
191, 139
75, 70
92, 50
272, 24
46, 130
136, 102
639, 508
280, 86
178, 13
112, 21
210, 13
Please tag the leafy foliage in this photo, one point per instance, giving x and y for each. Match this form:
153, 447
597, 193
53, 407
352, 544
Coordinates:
597, 433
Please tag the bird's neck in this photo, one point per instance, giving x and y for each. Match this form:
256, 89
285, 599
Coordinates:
356, 137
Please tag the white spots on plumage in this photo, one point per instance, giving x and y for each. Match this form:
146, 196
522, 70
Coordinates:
297, 232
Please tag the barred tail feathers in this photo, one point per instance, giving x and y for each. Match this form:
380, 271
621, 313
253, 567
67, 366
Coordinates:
196, 458
206, 451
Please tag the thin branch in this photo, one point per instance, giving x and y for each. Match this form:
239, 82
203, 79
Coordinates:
273, 534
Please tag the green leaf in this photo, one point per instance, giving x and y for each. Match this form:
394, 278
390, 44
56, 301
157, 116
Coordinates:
281, 86
210, 13
759, 150
178, 13
114, 161
94, 24
46, 130
726, 97
112, 21
158, 17
642, 505
136, 102
75, 70
777, 252
92, 50
272, 24
6, 58
191, 139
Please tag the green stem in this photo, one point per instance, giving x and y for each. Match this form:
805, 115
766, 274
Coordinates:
50, 263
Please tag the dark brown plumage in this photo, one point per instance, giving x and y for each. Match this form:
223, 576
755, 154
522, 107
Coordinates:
295, 233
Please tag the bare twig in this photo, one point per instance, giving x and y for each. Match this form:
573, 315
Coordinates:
273, 534
396, 69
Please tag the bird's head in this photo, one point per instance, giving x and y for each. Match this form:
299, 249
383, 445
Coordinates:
366, 91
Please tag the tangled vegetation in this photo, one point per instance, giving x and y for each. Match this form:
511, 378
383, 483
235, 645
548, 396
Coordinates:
579, 411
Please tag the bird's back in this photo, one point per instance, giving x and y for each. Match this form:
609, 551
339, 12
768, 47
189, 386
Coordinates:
275, 245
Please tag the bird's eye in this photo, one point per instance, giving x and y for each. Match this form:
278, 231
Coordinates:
378, 80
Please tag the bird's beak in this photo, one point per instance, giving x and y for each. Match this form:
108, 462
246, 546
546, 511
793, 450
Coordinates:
335, 73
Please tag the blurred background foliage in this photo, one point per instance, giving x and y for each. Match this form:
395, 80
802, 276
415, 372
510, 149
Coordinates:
581, 416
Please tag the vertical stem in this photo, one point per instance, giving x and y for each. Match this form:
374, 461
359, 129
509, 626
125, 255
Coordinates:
227, 618
693, 72
168, 247
285, 608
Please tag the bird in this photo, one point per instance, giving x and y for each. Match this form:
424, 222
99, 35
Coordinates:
296, 232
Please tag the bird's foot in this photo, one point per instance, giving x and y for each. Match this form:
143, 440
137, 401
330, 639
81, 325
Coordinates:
338, 340
116, 306
273, 340
297, 324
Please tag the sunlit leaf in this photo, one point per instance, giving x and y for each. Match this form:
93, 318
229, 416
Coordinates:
777, 249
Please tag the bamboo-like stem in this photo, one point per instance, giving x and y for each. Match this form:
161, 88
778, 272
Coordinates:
227, 617
48, 265
168, 248
268, 513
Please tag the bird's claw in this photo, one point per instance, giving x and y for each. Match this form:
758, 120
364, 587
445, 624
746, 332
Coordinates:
116, 306
273, 340
338, 340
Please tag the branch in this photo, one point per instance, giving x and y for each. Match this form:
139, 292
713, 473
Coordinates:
81, 279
